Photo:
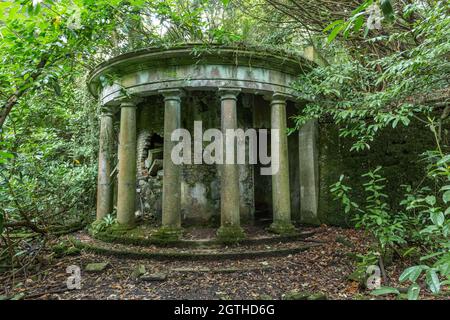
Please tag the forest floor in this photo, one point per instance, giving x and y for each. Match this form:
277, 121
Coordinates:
322, 269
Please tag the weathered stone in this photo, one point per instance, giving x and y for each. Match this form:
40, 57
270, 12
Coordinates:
303, 295
167, 234
138, 271
282, 228
229, 200
171, 215
230, 234
309, 179
158, 276
296, 295
96, 267
154, 154
280, 179
104, 190
155, 167
318, 296
127, 165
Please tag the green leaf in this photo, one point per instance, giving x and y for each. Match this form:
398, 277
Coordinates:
446, 196
432, 281
387, 9
333, 24
385, 290
4, 156
437, 218
413, 292
362, 7
335, 32
431, 200
358, 23
431, 255
411, 274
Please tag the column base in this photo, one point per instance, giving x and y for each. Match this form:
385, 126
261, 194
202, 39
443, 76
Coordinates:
309, 218
167, 234
282, 228
230, 234
101, 227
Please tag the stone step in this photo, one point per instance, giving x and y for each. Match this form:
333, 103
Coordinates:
158, 253
148, 240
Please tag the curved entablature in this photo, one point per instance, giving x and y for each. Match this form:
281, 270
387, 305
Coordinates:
195, 67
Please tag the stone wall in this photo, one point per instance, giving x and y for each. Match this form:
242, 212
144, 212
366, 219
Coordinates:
150, 128
396, 150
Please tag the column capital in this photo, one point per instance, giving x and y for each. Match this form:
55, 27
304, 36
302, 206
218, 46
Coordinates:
129, 101
229, 93
277, 97
106, 112
172, 94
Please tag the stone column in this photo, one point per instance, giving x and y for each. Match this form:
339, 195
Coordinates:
280, 179
171, 207
230, 230
309, 178
104, 187
126, 197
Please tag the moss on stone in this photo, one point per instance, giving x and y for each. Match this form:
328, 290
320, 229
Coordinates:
167, 235
304, 295
65, 248
230, 234
282, 228
189, 256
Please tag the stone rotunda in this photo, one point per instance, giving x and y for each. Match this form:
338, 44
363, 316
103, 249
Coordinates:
145, 95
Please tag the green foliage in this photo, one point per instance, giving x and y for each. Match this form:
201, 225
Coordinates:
103, 225
422, 222
51, 179
365, 93
341, 192
375, 215
385, 290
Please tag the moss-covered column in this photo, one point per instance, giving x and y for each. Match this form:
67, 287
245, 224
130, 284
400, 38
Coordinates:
230, 229
171, 207
126, 198
280, 178
104, 187
309, 175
